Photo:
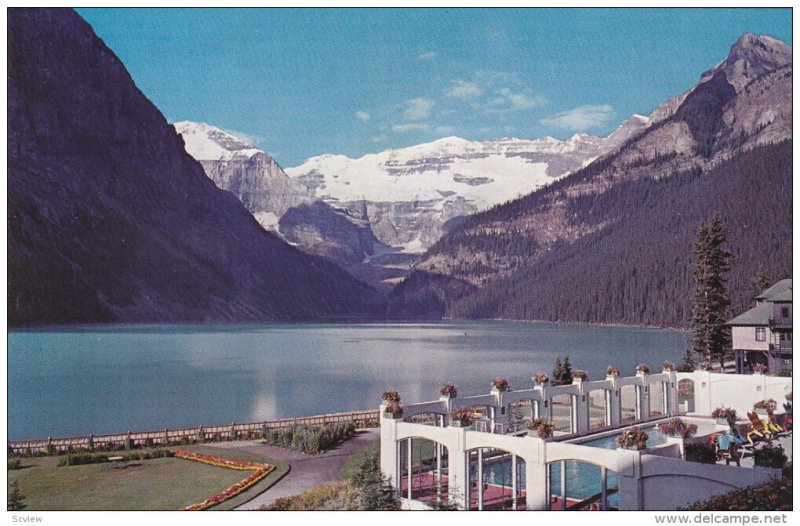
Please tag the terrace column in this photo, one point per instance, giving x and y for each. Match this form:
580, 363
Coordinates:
536, 494
581, 407
614, 402
457, 480
672, 394
390, 458
410, 468
563, 492
514, 482
644, 397
438, 472
480, 479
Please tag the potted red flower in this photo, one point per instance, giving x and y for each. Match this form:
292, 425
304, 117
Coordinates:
461, 417
541, 428
500, 384
449, 390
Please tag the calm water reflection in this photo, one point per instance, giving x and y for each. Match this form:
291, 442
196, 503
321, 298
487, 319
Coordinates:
126, 377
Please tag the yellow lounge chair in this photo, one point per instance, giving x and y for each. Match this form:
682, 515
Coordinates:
772, 425
757, 428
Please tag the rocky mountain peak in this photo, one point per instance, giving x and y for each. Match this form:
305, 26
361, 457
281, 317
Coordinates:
751, 56
209, 143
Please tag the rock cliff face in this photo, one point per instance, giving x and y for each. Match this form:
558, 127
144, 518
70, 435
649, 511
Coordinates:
110, 220
742, 105
279, 203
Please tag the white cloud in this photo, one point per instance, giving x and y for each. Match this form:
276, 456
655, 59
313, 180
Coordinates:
524, 100
417, 109
582, 118
445, 129
428, 55
378, 138
363, 116
416, 126
463, 90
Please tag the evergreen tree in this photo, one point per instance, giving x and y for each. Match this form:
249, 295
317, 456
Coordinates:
688, 364
711, 302
558, 372
15, 498
376, 491
761, 281
566, 375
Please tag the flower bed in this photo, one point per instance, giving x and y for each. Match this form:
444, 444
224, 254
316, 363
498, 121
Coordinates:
612, 371
259, 472
643, 368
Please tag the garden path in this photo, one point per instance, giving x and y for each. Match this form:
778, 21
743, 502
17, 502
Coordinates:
306, 471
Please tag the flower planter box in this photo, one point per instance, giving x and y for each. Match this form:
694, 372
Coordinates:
632, 448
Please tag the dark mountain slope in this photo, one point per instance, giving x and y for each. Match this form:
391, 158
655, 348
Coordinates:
110, 220
639, 270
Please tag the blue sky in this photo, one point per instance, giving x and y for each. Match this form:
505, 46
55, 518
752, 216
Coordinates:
303, 82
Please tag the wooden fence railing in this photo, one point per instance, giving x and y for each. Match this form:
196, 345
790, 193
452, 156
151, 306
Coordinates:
164, 437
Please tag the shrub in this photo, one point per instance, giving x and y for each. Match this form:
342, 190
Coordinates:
642, 368
49, 449
772, 496
700, 452
612, 371
770, 456
15, 498
148, 442
540, 378
668, 366
760, 368
14, 463
129, 444
200, 436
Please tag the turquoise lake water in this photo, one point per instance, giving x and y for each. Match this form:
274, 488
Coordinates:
133, 377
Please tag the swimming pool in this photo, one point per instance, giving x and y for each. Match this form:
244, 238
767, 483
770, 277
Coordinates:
654, 435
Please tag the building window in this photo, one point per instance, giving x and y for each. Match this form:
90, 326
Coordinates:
761, 334
784, 312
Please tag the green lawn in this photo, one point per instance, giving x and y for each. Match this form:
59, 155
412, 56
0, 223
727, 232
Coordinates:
157, 484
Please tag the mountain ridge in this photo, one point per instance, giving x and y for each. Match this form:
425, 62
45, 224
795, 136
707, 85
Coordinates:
110, 220
708, 124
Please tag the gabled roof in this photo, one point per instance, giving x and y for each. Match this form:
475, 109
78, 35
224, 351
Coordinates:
757, 316
781, 291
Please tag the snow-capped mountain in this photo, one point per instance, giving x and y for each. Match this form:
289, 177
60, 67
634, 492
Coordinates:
279, 203
412, 192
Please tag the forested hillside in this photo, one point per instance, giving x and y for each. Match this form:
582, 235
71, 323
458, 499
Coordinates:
639, 269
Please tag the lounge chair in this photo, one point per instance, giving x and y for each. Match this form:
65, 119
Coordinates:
737, 437
772, 424
757, 429
787, 417
727, 449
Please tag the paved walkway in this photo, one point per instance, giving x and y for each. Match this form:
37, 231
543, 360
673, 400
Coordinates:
306, 471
